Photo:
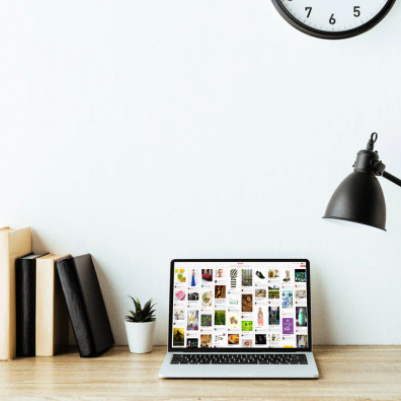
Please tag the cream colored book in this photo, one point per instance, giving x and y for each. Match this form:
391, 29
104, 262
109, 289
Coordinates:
13, 245
52, 321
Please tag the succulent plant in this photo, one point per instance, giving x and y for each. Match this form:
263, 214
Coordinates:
141, 315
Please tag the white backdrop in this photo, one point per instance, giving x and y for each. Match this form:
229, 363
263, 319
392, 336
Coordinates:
142, 131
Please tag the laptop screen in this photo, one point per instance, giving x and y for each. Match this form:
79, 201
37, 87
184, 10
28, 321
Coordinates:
239, 305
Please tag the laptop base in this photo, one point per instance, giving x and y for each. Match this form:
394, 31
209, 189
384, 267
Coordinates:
239, 371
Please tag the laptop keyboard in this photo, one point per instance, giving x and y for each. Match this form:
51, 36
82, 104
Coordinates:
239, 359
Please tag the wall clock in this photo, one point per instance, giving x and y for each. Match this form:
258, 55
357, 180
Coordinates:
333, 19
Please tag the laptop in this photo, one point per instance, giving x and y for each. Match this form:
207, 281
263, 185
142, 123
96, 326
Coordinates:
239, 318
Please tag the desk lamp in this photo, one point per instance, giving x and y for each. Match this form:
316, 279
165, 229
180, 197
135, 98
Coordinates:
359, 198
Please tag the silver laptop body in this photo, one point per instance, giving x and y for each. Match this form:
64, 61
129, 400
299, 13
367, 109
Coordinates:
239, 318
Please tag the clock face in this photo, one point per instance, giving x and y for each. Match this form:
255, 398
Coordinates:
333, 19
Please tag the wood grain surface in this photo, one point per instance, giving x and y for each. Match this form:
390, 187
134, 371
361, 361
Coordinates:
346, 372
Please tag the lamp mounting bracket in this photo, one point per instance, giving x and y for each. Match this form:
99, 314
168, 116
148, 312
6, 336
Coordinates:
368, 161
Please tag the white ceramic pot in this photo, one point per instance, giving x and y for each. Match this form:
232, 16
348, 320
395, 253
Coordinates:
140, 336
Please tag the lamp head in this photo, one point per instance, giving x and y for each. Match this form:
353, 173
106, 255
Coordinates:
359, 197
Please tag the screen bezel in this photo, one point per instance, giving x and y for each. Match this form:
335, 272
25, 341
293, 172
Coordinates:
238, 349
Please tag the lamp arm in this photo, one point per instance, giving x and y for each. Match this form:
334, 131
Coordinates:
391, 178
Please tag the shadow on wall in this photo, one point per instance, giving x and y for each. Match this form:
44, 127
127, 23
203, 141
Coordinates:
322, 333
112, 309
39, 246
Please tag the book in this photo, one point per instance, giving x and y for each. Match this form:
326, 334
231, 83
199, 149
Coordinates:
52, 321
85, 305
13, 244
25, 295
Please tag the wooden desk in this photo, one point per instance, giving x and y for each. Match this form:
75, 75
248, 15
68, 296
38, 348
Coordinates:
346, 372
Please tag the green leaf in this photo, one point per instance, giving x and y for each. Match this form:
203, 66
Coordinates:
145, 314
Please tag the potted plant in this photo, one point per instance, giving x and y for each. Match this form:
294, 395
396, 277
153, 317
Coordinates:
140, 326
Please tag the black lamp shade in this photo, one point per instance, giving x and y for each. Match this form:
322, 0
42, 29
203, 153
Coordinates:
359, 198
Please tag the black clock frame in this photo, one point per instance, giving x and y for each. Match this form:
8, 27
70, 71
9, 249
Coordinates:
332, 35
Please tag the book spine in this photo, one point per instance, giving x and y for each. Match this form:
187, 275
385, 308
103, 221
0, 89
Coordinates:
4, 298
25, 288
45, 307
13, 244
72, 290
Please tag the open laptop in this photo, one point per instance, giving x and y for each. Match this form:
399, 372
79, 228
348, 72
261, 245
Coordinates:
239, 318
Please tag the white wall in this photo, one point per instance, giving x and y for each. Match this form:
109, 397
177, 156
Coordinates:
142, 131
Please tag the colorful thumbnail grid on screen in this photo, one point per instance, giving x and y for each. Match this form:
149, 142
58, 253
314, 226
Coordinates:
249, 304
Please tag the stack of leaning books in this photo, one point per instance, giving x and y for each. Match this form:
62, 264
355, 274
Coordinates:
42, 295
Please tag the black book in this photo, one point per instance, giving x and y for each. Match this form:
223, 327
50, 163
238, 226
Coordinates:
85, 305
25, 302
